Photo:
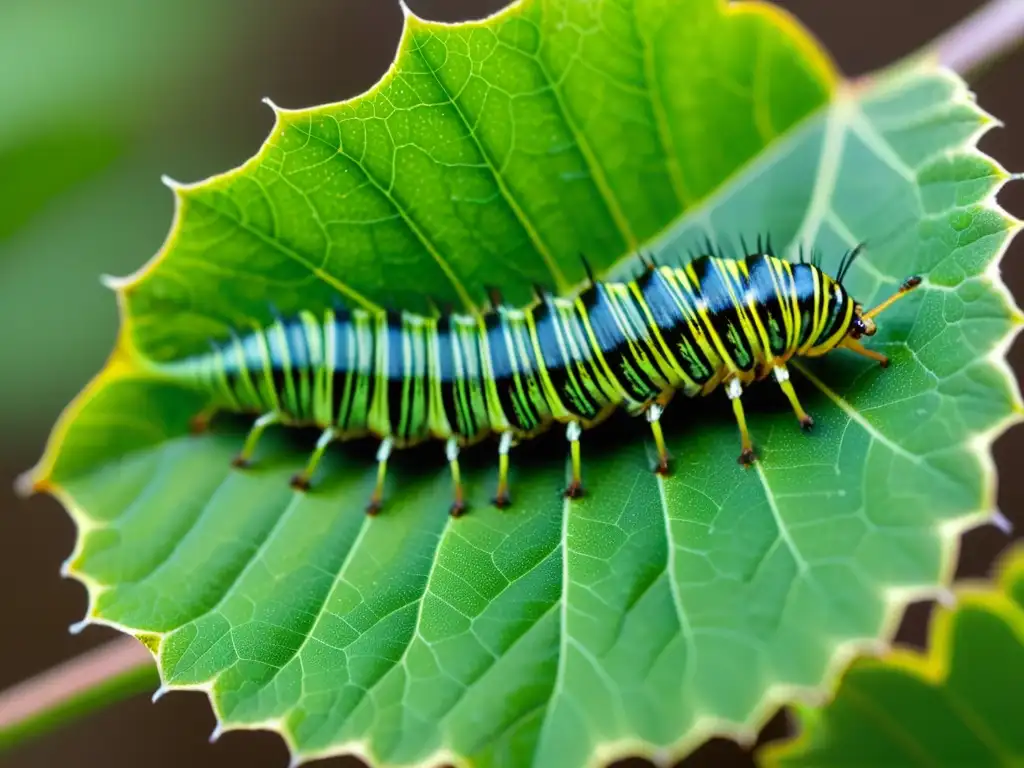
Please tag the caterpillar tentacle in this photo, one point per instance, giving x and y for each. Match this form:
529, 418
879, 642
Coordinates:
514, 372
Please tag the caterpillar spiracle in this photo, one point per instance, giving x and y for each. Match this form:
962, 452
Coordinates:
514, 372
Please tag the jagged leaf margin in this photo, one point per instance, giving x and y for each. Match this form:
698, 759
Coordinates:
122, 366
1001, 602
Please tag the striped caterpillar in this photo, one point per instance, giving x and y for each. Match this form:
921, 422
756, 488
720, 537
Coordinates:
407, 378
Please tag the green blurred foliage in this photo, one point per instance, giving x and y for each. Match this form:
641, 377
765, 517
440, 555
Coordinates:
82, 80
87, 91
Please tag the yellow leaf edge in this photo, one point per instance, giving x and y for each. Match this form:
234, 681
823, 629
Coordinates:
932, 665
125, 363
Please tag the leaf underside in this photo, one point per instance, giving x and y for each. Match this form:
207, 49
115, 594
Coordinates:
957, 705
652, 612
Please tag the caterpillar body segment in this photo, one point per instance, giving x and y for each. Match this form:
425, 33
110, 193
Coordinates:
514, 372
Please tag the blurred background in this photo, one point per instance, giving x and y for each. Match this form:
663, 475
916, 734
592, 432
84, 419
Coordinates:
101, 98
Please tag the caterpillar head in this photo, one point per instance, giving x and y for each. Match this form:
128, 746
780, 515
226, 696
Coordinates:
863, 323
847, 322
861, 326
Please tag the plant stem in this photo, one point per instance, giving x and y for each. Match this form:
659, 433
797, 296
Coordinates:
121, 668
988, 33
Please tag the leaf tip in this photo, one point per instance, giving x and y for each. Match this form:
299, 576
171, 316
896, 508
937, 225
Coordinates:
78, 626
113, 282
987, 118
170, 183
158, 694
1001, 522
26, 485
275, 108
216, 733
408, 14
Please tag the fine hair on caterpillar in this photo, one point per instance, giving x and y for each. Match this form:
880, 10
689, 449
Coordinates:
513, 373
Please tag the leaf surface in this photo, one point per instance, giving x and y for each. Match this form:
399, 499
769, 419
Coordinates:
652, 612
958, 704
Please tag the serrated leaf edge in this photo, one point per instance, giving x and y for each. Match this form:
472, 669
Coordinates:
932, 664
776, 695
126, 362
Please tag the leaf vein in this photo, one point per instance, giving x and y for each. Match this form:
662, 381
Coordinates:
562, 285
232, 583
317, 271
563, 633
675, 171
417, 231
594, 168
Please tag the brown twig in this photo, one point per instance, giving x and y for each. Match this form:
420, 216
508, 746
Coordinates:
119, 668
988, 33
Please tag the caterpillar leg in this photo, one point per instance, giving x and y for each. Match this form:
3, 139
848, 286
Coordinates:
300, 481
572, 434
383, 452
258, 428
451, 450
201, 421
501, 499
733, 389
855, 346
782, 376
653, 413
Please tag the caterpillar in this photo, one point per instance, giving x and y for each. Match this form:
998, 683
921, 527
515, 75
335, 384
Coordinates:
514, 372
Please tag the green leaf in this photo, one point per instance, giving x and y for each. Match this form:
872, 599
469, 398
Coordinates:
651, 613
957, 704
